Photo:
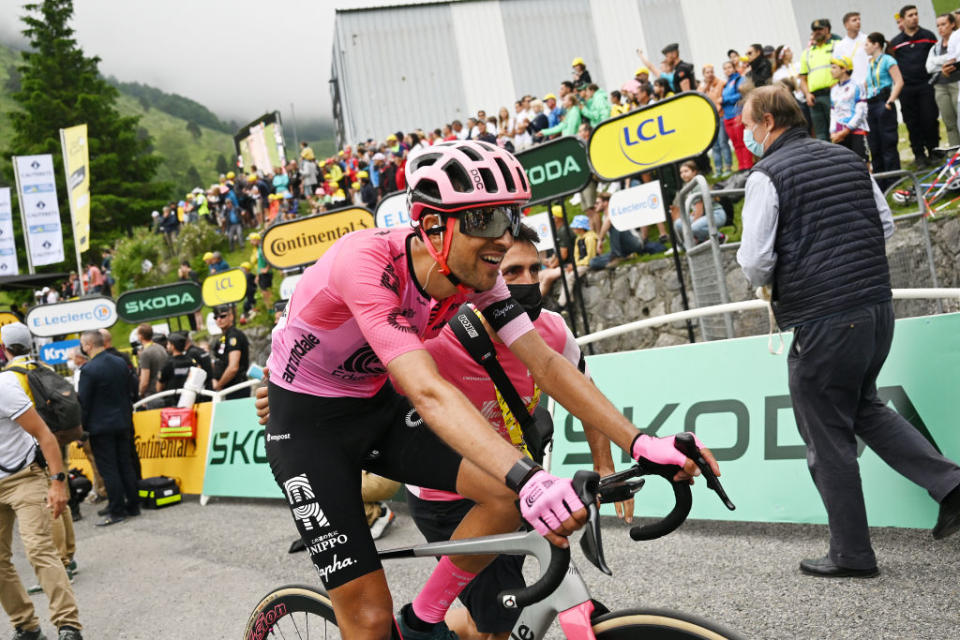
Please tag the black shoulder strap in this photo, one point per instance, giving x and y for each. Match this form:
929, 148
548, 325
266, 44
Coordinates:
469, 330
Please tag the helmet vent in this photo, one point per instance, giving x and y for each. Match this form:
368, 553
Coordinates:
427, 160
470, 153
429, 188
488, 180
486, 146
505, 172
521, 179
458, 177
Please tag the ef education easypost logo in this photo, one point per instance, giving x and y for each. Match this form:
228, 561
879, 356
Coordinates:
670, 131
85, 314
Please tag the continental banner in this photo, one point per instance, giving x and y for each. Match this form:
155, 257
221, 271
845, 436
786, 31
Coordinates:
734, 395
670, 131
303, 241
237, 456
180, 459
225, 287
76, 164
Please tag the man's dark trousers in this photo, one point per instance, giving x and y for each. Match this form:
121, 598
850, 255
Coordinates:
921, 116
833, 367
111, 451
820, 114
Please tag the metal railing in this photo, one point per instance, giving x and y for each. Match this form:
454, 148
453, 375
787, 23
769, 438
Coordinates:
216, 396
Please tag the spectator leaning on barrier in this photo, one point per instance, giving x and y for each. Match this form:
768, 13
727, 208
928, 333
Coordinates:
231, 352
108, 417
30, 497
815, 78
910, 48
699, 225
942, 64
814, 225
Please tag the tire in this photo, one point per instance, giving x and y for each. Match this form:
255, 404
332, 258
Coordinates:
657, 624
292, 611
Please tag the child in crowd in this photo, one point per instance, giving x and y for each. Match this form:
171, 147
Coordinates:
584, 248
848, 109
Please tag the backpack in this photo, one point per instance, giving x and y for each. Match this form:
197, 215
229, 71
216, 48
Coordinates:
55, 400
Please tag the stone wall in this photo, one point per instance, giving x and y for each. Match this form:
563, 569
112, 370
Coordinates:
648, 289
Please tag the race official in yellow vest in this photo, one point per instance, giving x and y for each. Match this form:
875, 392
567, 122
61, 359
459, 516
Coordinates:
815, 77
31, 499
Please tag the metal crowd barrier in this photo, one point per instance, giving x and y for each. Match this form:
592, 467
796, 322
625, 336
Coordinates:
216, 396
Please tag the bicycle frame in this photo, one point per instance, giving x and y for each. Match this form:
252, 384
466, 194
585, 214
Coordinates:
570, 602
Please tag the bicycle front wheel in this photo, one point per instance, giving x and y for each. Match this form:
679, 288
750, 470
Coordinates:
293, 611
657, 624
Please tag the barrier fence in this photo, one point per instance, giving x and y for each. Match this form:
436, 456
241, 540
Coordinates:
742, 410
910, 255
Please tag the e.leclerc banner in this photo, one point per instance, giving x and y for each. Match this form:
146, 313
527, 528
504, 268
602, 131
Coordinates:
303, 241
392, 211
638, 206
37, 189
85, 314
734, 395
669, 131
76, 164
165, 301
555, 169
8, 244
225, 287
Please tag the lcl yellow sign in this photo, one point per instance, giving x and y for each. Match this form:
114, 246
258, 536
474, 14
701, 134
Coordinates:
224, 287
672, 130
291, 244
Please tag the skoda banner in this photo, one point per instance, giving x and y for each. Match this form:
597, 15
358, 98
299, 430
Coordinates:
85, 314
56, 352
39, 208
670, 131
225, 287
637, 207
392, 211
237, 454
303, 241
735, 396
555, 169
165, 301
8, 245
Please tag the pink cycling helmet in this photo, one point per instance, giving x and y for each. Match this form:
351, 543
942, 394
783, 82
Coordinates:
450, 176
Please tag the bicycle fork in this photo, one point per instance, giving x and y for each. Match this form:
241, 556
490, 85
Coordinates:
570, 604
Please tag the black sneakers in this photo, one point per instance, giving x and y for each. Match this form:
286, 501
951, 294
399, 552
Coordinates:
34, 634
825, 568
948, 522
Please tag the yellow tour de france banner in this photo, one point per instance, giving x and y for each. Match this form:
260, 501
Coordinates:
76, 164
225, 287
303, 241
182, 459
670, 131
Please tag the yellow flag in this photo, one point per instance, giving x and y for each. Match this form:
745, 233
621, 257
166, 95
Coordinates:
76, 164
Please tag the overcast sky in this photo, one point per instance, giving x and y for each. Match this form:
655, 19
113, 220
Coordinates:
240, 58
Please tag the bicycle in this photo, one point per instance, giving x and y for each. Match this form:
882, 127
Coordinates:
559, 591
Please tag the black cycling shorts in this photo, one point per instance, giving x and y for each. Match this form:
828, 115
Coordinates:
265, 280
317, 447
437, 520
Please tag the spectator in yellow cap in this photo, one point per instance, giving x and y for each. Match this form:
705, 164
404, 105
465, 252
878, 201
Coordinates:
554, 111
848, 108
642, 75
580, 73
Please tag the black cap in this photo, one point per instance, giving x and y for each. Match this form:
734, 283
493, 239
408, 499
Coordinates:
673, 46
768, 50
820, 23
222, 308
178, 340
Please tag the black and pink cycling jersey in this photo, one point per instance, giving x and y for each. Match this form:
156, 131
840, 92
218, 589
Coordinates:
359, 307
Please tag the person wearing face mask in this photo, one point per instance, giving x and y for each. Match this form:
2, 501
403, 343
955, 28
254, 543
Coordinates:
814, 230
437, 513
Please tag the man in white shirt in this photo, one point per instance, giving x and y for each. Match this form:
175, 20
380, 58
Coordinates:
852, 47
31, 498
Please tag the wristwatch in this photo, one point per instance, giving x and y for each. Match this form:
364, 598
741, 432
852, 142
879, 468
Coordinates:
60, 477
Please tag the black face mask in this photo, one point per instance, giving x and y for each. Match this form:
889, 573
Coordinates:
528, 295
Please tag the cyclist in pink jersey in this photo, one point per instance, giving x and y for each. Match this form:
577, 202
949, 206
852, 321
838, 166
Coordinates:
438, 513
362, 312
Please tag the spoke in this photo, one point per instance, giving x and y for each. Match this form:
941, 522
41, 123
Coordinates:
295, 627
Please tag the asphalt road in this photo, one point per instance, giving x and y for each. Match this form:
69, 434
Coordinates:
191, 572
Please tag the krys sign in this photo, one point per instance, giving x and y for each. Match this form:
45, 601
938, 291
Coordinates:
165, 301
303, 241
225, 287
86, 314
555, 169
670, 131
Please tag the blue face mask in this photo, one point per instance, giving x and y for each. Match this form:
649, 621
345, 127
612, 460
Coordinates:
756, 148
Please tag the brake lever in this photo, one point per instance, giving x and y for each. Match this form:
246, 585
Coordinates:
620, 486
587, 486
685, 444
